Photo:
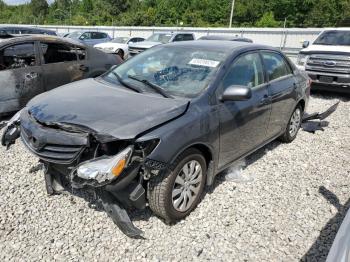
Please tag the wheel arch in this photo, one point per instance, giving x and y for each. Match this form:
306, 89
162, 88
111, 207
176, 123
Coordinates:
203, 148
302, 103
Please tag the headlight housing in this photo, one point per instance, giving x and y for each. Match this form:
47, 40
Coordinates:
301, 60
105, 169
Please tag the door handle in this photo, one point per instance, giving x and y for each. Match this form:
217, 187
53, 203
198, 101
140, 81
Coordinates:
83, 68
265, 100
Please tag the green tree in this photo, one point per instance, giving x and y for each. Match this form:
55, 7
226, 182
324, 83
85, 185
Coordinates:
39, 8
268, 20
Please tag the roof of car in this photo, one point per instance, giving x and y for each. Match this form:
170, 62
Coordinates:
218, 45
225, 37
17, 38
25, 27
172, 33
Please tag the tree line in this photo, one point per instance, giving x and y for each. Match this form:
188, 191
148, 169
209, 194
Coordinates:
196, 13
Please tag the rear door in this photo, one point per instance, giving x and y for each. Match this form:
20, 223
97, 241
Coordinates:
282, 90
243, 124
21, 75
60, 64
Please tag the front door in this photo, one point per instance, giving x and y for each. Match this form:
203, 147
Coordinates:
20, 76
60, 64
243, 124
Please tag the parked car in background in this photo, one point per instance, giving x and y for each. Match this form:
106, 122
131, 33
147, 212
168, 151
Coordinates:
90, 37
226, 38
158, 39
119, 45
327, 60
30, 65
24, 30
160, 127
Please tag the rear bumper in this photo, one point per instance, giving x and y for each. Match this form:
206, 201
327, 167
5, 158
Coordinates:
330, 81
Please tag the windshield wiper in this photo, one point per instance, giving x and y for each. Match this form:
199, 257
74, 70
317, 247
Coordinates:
155, 87
125, 84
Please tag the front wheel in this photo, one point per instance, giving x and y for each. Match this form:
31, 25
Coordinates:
120, 53
293, 125
174, 194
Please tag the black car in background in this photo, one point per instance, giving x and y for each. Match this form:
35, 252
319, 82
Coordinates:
160, 127
33, 64
24, 30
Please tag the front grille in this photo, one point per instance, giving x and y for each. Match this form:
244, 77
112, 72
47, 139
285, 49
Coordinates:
53, 153
329, 63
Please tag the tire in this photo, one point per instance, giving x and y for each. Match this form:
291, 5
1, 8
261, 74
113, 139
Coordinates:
161, 187
293, 126
120, 53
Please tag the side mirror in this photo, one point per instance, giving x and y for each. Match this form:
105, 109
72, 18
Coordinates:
82, 37
236, 93
306, 44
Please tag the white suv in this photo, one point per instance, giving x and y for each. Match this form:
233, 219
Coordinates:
327, 60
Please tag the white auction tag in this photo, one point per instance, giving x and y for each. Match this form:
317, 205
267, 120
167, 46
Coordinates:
204, 62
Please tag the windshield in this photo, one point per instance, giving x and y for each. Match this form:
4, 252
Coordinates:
163, 38
333, 38
177, 71
74, 34
120, 40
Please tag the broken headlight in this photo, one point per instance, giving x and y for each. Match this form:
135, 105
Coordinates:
105, 168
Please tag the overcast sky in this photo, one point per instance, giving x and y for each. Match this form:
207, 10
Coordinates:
16, 2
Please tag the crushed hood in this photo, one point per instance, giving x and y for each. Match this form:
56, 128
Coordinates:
105, 109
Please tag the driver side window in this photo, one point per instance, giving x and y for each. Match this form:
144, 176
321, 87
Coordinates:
247, 70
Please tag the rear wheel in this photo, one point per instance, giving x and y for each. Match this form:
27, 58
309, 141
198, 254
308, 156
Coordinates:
173, 195
293, 125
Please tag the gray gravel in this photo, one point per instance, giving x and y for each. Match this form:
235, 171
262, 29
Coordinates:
282, 212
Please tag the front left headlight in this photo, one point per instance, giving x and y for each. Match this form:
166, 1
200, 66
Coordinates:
105, 169
301, 60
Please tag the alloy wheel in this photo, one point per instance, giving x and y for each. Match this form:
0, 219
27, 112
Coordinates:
295, 122
187, 186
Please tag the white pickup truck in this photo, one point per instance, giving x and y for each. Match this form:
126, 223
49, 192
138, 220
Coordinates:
327, 60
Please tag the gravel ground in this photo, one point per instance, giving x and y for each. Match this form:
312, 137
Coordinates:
288, 207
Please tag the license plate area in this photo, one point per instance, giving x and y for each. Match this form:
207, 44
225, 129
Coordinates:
326, 79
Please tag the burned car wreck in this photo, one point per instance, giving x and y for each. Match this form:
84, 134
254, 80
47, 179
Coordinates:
157, 129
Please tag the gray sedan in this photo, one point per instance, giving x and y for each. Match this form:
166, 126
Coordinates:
158, 128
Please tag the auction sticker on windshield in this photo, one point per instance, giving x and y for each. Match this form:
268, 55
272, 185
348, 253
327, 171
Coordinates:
204, 62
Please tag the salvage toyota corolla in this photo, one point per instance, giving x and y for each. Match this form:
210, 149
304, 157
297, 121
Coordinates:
158, 128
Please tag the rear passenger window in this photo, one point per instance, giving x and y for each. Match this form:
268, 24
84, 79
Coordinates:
247, 70
57, 53
97, 35
17, 56
276, 66
188, 37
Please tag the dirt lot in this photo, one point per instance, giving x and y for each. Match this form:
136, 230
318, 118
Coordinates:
287, 207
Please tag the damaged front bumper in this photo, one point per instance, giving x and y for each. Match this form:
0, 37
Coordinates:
76, 160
